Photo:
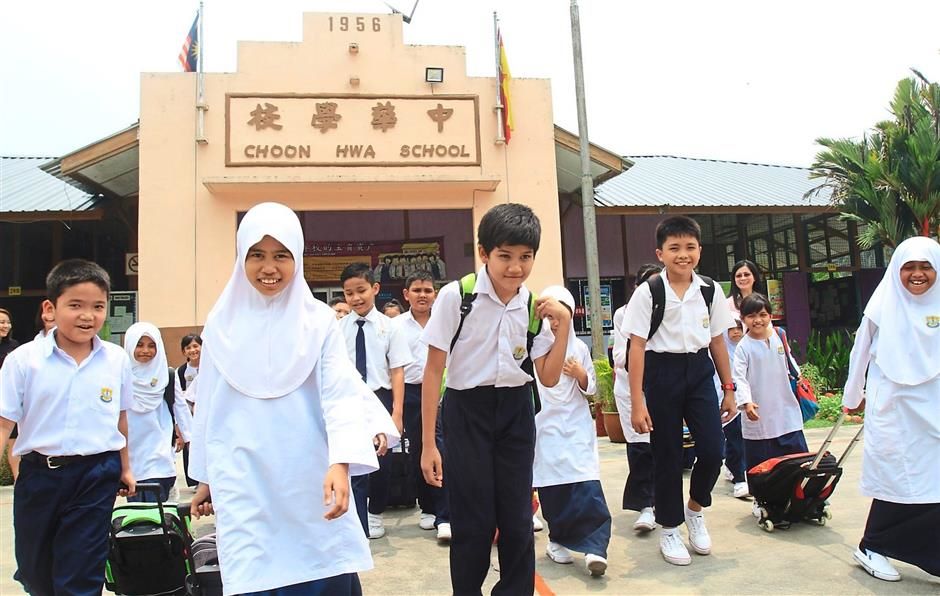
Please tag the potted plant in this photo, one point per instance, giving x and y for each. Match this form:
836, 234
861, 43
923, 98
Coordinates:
605, 397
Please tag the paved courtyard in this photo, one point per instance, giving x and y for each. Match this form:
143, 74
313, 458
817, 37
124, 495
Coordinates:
805, 559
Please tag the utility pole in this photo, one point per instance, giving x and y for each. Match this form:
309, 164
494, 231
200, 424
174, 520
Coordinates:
587, 195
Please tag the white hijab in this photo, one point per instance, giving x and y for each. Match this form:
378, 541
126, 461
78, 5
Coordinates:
562, 390
150, 378
908, 350
266, 346
562, 295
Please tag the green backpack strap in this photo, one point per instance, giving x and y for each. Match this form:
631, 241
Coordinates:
467, 284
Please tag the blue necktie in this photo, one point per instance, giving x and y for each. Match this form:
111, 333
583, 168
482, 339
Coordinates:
361, 349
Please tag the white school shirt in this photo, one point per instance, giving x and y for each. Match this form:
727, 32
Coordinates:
565, 434
150, 449
265, 460
492, 343
622, 382
900, 463
192, 377
412, 330
64, 408
760, 372
386, 346
686, 327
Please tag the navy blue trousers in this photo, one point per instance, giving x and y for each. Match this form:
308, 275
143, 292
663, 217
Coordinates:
60, 518
638, 490
577, 516
734, 450
360, 492
906, 532
378, 480
339, 585
760, 450
680, 387
412, 419
489, 435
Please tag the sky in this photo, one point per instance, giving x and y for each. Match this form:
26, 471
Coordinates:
732, 80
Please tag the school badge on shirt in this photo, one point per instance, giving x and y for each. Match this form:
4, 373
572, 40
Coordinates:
706, 322
107, 394
933, 321
153, 382
781, 351
518, 352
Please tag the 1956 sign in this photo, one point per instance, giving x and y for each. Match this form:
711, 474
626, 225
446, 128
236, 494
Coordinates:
351, 130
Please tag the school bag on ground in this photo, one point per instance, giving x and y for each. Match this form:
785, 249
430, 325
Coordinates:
467, 296
148, 547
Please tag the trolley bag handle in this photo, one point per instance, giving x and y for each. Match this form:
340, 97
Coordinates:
851, 445
826, 443
153, 487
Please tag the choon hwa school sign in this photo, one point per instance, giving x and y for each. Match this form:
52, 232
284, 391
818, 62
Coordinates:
351, 130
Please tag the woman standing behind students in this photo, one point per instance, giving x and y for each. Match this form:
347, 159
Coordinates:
184, 385
898, 344
150, 424
747, 279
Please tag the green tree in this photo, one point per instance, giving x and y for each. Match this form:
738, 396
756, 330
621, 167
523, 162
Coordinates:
890, 179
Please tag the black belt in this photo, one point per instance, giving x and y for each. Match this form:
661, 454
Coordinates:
57, 461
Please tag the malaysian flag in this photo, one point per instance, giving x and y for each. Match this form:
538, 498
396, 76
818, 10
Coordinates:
189, 55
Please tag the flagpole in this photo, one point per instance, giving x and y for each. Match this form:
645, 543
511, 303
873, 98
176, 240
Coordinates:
201, 106
500, 137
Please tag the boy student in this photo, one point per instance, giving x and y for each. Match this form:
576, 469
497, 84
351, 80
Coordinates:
419, 294
380, 352
671, 379
340, 307
488, 413
69, 393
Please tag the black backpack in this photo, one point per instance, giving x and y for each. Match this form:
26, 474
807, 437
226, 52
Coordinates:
467, 296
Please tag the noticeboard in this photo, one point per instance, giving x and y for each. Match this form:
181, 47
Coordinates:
122, 312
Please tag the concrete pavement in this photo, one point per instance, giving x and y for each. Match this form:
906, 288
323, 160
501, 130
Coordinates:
805, 559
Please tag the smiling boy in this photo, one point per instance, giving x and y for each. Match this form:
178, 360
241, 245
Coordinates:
69, 393
670, 376
488, 413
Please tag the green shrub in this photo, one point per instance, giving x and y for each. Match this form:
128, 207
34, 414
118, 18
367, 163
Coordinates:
830, 354
830, 406
605, 385
811, 373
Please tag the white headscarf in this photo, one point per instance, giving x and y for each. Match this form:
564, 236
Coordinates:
150, 378
562, 295
908, 350
267, 346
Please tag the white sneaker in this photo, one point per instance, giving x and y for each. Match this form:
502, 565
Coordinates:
740, 490
558, 553
537, 525
699, 539
670, 544
426, 522
596, 564
877, 565
726, 474
376, 526
646, 522
443, 532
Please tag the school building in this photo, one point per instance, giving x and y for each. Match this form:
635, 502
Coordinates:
389, 153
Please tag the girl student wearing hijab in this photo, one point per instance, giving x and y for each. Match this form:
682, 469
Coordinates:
898, 343
566, 471
280, 424
150, 424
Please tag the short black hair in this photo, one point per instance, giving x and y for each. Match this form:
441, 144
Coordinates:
393, 303
677, 225
514, 224
190, 338
647, 271
755, 303
337, 300
357, 270
72, 272
418, 276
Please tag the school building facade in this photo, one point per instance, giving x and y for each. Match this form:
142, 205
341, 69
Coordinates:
382, 165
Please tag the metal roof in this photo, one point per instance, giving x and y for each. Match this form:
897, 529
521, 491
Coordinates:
688, 183
25, 188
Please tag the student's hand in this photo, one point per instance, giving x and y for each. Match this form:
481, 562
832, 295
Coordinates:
202, 502
728, 406
128, 486
431, 465
397, 419
750, 410
381, 444
550, 307
336, 491
640, 419
572, 368
180, 443
860, 409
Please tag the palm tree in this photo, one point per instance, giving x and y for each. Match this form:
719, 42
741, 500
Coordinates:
890, 179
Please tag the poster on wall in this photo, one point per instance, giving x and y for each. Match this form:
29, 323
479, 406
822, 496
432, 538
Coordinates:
775, 295
606, 306
391, 261
122, 313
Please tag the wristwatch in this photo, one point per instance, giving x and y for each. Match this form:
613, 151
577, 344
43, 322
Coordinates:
727, 386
